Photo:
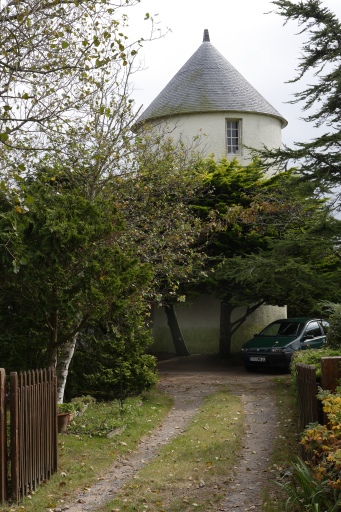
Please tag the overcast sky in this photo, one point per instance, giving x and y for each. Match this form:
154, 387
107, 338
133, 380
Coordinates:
257, 44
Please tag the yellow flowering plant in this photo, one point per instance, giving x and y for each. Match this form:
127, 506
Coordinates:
323, 442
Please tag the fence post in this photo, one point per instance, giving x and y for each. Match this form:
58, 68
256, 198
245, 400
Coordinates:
307, 394
330, 376
3, 437
54, 401
14, 406
330, 372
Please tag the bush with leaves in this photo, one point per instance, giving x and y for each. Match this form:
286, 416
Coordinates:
334, 331
111, 360
315, 484
311, 357
306, 493
323, 442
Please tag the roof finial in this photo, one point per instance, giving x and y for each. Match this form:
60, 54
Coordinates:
206, 36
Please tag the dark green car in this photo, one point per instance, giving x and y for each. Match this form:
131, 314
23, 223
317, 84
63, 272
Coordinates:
275, 345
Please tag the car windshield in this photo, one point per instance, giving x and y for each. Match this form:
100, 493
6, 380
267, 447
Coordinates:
282, 329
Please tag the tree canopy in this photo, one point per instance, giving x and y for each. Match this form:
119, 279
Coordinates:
55, 56
155, 202
273, 242
319, 159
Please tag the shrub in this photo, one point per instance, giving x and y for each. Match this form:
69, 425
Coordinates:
334, 331
308, 494
323, 442
108, 366
315, 484
81, 402
66, 407
312, 357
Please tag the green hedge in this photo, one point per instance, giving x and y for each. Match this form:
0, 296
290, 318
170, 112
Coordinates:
312, 357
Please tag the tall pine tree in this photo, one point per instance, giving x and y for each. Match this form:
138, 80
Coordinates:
319, 160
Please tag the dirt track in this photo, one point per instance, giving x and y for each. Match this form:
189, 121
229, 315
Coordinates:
188, 380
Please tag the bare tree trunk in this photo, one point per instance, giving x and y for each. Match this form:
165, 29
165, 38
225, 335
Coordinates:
228, 328
60, 352
65, 355
177, 337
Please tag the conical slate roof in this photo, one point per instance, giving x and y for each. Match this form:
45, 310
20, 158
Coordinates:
208, 83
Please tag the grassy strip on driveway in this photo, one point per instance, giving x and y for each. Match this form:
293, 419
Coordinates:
190, 472
86, 453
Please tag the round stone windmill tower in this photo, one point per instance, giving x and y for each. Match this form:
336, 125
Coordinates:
209, 98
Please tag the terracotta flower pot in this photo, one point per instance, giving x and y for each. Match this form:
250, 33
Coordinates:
63, 421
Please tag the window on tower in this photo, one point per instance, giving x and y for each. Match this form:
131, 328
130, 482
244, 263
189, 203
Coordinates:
233, 136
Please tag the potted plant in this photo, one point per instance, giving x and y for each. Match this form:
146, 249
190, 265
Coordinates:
66, 413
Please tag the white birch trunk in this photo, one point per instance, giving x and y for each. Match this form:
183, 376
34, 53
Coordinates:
65, 355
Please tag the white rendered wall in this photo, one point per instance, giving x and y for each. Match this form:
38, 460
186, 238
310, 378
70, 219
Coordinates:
199, 322
209, 135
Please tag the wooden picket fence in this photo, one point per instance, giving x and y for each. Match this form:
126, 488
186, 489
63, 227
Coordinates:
307, 388
30, 450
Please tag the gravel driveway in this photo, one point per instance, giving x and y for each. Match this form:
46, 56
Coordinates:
188, 380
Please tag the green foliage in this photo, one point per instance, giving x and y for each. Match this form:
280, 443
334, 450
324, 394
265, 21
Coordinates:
95, 220
84, 251
269, 241
316, 484
113, 364
56, 78
319, 160
299, 267
80, 403
155, 202
103, 418
334, 331
229, 190
275, 228
69, 273
311, 357
67, 407
306, 493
